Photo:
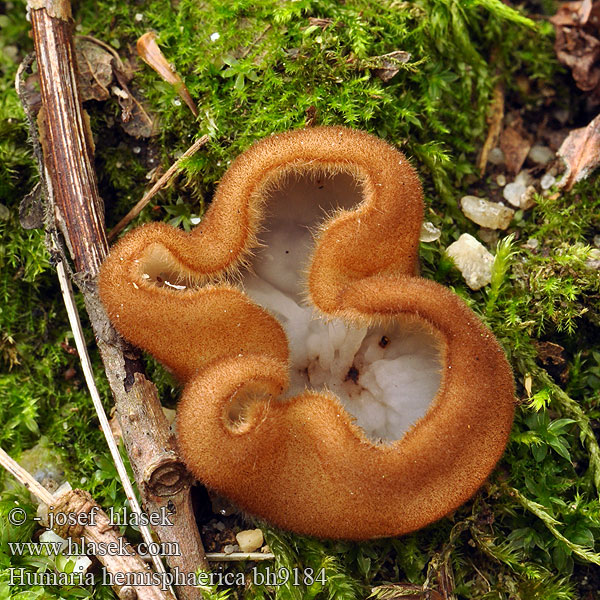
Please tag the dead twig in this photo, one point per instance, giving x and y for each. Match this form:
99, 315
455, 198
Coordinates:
75, 208
137, 209
92, 524
86, 364
495, 122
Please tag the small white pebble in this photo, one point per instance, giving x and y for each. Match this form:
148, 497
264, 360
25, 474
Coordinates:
250, 540
513, 192
215, 36
541, 155
485, 213
472, 260
532, 243
139, 17
429, 232
496, 156
547, 181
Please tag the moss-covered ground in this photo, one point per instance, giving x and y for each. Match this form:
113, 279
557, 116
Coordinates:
533, 531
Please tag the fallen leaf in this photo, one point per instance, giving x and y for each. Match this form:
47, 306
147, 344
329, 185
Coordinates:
318, 22
551, 357
572, 14
152, 55
95, 70
580, 153
550, 353
101, 68
577, 44
515, 148
388, 65
135, 119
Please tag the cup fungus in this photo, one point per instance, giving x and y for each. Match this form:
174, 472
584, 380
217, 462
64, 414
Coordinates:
328, 389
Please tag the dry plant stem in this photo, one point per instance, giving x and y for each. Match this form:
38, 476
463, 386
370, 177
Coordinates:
25, 477
137, 209
129, 565
86, 364
495, 121
160, 474
239, 556
78, 502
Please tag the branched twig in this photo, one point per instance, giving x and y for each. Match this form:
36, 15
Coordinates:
67, 292
92, 523
137, 209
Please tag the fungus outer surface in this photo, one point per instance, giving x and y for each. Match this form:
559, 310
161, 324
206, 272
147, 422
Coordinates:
246, 425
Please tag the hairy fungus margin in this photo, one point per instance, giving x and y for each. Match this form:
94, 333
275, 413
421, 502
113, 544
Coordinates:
302, 462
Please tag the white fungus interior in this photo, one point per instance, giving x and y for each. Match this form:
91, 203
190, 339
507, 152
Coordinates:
385, 376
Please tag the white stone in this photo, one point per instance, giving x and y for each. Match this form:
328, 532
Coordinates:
250, 540
524, 177
541, 155
496, 156
593, 261
520, 192
528, 198
485, 213
513, 192
532, 243
547, 181
429, 232
472, 260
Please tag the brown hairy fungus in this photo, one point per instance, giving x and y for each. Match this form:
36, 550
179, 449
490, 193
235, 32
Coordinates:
327, 388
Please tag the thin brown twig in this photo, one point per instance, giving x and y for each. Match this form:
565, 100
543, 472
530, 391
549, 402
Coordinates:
137, 209
86, 365
495, 121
